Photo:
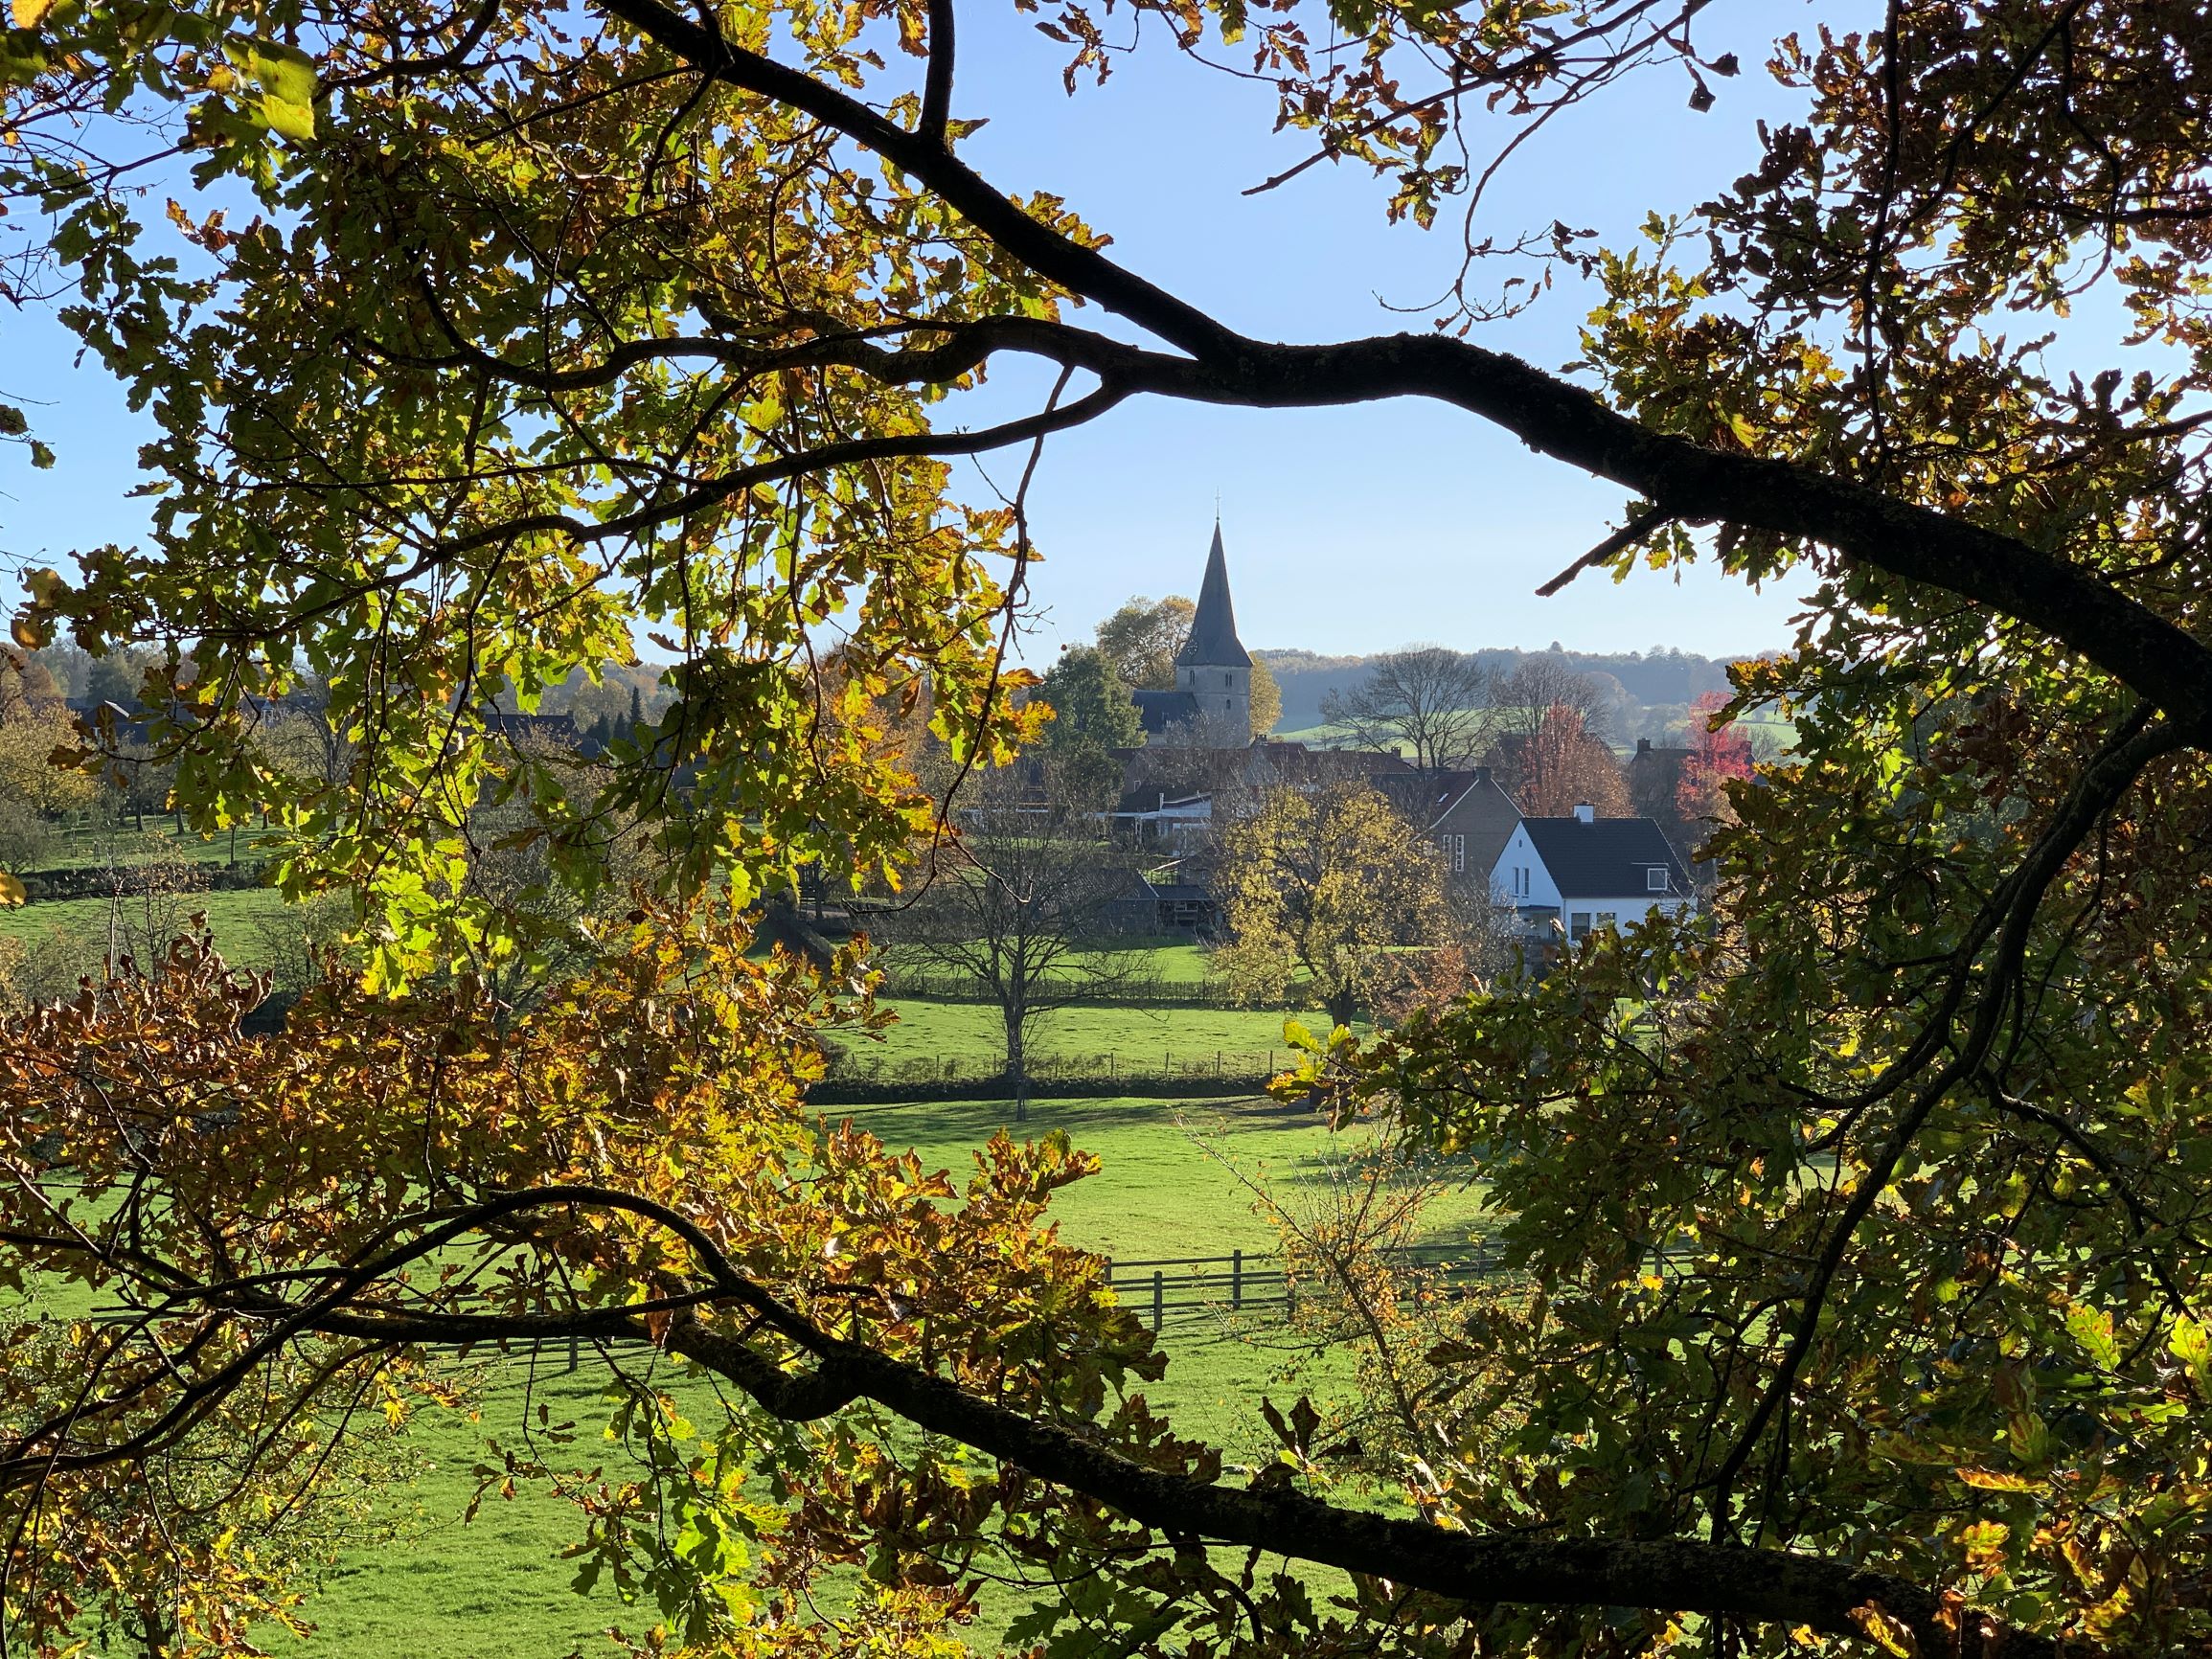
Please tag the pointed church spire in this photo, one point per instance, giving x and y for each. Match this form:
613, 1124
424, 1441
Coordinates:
1213, 643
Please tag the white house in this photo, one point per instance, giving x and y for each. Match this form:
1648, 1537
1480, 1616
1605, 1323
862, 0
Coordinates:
1590, 872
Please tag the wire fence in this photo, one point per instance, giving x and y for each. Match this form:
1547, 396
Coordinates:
1183, 1287
855, 1066
1137, 991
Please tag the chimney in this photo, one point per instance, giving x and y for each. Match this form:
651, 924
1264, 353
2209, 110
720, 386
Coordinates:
1643, 746
1481, 775
1585, 812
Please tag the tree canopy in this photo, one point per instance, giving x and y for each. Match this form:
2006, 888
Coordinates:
1858, 1224
1328, 892
1091, 707
1141, 640
1433, 703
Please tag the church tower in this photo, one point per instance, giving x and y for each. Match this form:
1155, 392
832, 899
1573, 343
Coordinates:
1212, 666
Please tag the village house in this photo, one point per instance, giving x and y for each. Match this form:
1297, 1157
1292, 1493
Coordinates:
1585, 872
1200, 767
1463, 814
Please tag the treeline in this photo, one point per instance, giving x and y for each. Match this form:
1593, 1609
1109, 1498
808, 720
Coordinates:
1646, 693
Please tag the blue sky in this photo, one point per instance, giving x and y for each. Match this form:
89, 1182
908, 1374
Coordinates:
1348, 530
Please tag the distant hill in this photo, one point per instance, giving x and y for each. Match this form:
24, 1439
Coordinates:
1656, 688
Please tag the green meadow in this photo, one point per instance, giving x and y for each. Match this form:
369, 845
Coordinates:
1176, 1179
1173, 1181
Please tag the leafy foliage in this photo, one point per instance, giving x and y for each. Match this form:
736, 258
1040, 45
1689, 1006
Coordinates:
1859, 1219
1329, 888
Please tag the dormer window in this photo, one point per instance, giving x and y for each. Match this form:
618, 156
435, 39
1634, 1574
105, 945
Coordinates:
1656, 878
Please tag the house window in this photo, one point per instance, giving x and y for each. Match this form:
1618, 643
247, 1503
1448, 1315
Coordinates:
1656, 878
1228, 681
1605, 919
1458, 854
1577, 923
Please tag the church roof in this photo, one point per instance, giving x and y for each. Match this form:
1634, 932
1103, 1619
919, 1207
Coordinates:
1157, 711
1213, 643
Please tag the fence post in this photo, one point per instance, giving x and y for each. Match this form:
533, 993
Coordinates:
1159, 1288
1236, 1279
1289, 1295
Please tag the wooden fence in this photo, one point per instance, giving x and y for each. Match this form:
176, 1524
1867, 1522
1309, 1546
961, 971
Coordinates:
1183, 1287
1195, 1286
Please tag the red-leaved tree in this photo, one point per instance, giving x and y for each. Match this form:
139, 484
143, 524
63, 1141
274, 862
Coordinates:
1718, 751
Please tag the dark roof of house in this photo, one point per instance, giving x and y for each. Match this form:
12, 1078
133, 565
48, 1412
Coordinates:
1607, 859
1157, 711
1425, 797
1654, 764
1213, 643
1137, 799
1420, 796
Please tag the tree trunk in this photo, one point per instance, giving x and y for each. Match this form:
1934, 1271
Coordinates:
1017, 1065
1342, 1005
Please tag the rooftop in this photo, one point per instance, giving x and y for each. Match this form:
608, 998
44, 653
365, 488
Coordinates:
1213, 643
1607, 857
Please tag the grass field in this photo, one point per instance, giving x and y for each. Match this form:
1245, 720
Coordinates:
1172, 957
1174, 1182
78, 848
496, 1588
1141, 1038
235, 918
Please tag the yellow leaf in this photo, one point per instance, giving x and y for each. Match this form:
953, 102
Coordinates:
1892, 1635
11, 891
28, 13
1991, 1480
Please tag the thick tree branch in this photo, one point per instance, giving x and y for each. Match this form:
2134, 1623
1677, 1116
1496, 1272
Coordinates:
2164, 663
721, 488
937, 89
1672, 1575
1669, 1575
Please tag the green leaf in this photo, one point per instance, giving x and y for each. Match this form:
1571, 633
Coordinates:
22, 57
287, 78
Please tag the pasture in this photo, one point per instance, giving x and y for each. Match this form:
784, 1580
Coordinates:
1172, 1182
1176, 1179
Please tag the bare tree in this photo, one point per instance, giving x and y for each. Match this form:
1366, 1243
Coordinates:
303, 732
1024, 902
1525, 693
1433, 701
